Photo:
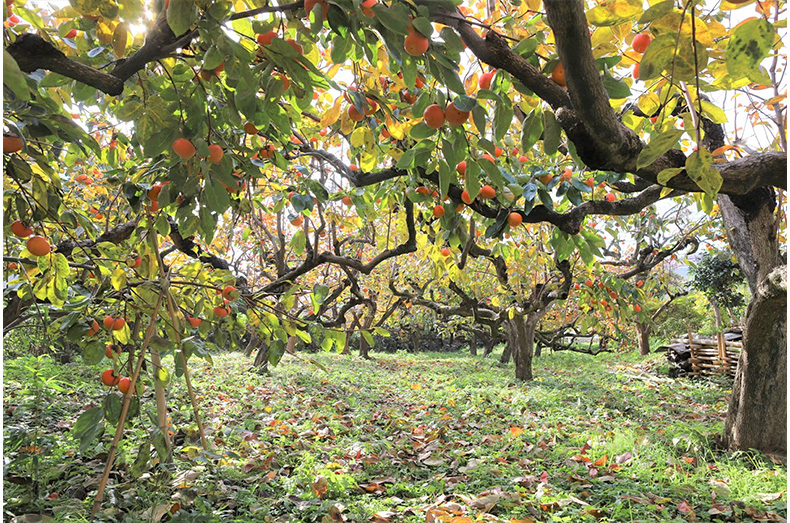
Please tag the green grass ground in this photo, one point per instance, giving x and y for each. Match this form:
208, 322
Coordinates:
430, 437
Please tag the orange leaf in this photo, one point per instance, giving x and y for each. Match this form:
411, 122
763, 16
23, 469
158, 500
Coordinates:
601, 462
416, 386
516, 431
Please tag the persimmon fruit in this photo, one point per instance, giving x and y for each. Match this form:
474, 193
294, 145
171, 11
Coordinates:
38, 246
415, 44
455, 116
184, 148
215, 153
640, 42
21, 229
558, 75
514, 219
12, 144
486, 79
109, 378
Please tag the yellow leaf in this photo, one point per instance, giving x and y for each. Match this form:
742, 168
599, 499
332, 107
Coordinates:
357, 138
104, 33
120, 39
332, 114
368, 160
395, 129
416, 386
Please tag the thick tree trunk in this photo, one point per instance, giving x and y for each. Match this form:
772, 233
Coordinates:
523, 332
262, 358
473, 345
345, 345
489, 347
643, 337
364, 347
510, 341
757, 415
415, 341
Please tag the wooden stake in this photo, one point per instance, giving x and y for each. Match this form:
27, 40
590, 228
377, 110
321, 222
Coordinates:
127, 399
177, 329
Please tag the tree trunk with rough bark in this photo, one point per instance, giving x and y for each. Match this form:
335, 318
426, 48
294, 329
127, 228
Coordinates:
473, 345
716, 314
643, 331
757, 415
522, 330
489, 347
415, 341
510, 341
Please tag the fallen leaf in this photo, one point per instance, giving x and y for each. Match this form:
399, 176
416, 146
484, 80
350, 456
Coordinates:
485, 503
319, 486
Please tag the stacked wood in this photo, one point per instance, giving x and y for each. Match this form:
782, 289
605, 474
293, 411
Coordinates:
694, 355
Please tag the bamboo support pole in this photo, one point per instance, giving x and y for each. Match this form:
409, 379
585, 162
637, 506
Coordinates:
176, 328
125, 409
174, 318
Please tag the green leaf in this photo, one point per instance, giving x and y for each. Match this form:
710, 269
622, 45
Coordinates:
749, 44
93, 352
656, 11
14, 78
615, 87
657, 58
319, 294
213, 58
531, 129
140, 464
421, 131
551, 133
88, 427
659, 144
445, 174
160, 444
368, 338
112, 408
162, 376
526, 47
298, 242
181, 16
393, 18
667, 174
503, 116
464, 102
699, 167
472, 184
423, 26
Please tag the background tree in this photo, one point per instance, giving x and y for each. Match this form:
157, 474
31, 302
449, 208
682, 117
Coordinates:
717, 276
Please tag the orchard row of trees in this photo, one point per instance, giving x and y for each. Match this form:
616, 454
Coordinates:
298, 171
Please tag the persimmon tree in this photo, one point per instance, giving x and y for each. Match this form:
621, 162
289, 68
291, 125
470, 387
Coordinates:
210, 117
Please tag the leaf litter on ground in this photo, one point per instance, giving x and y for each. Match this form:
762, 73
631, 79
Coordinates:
429, 437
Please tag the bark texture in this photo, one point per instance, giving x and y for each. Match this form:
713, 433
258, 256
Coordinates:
757, 415
643, 331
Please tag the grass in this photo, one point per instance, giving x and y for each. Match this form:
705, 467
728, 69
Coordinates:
428, 437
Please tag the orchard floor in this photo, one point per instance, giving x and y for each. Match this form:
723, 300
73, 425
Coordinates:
428, 438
